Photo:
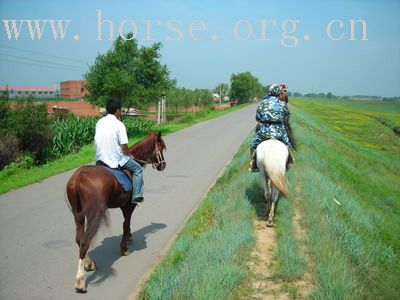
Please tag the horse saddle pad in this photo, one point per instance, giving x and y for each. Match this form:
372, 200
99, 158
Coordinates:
123, 179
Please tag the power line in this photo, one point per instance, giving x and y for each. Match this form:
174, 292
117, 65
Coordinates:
43, 54
42, 61
38, 65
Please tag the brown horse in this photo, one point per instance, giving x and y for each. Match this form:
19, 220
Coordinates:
93, 189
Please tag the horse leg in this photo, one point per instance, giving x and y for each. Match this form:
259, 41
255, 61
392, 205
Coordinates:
80, 275
274, 200
271, 204
127, 211
80, 229
85, 262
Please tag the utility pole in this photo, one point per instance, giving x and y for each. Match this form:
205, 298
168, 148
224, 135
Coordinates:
164, 110
220, 94
159, 112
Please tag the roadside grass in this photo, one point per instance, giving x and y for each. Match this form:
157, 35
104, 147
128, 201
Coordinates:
16, 176
208, 258
349, 197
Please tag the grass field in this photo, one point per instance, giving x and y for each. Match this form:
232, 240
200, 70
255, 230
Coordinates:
348, 173
345, 194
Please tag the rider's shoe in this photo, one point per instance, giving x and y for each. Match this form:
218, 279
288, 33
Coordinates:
138, 200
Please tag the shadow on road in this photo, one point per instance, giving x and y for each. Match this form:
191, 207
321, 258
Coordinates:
108, 252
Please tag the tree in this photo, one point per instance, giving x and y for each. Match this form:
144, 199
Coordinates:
132, 73
245, 87
222, 90
179, 97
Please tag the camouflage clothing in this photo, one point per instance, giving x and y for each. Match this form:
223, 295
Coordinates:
271, 115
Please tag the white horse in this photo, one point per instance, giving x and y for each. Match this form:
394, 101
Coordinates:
272, 156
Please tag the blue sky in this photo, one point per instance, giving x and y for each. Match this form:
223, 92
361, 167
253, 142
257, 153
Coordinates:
226, 37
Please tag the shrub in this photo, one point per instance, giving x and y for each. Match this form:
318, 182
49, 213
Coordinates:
29, 123
8, 149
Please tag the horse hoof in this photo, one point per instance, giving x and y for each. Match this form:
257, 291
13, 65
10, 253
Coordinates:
125, 253
80, 287
89, 264
80, 290
270, 224
90, 268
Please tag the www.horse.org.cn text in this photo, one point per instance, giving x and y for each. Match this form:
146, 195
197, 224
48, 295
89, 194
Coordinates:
289, 32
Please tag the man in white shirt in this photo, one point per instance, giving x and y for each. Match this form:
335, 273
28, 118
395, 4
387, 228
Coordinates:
112, 149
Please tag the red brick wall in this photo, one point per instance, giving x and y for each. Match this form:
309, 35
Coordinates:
81, 108
73, 89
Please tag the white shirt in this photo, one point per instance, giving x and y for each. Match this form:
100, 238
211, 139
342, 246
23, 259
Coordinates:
110, 134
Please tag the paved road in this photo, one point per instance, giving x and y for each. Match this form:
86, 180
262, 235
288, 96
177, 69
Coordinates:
38, 255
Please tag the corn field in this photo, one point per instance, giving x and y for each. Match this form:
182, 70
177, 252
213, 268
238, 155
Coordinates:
68, 136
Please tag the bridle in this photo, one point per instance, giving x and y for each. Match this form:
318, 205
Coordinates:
155, 164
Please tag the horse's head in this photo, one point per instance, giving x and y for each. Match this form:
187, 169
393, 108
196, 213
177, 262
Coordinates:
150, 151
158, 160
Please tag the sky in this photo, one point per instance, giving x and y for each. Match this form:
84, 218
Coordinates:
346, 47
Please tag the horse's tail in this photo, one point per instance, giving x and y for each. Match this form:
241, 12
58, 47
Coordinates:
94, 208
86, 205
96, 214
280, 182
272, 156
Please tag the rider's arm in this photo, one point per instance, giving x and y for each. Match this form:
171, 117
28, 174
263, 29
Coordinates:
125, 150
123, 139
259, 113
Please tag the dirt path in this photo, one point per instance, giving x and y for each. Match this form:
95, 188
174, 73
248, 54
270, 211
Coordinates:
263, 265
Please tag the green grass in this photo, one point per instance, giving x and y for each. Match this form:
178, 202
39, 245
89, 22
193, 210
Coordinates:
209, 256
347, 168
16, 176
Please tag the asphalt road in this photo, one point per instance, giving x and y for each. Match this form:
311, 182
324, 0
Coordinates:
38, 255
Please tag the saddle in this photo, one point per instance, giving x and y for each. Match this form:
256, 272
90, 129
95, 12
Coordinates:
123, 176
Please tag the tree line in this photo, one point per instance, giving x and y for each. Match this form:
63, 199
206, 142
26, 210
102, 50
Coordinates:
136, 75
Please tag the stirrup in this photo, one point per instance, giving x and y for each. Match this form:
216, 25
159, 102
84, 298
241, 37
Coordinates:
253, 168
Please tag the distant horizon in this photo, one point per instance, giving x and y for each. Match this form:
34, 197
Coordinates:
4, 88
343, 47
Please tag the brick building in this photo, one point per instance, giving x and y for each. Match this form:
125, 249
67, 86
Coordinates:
73, 89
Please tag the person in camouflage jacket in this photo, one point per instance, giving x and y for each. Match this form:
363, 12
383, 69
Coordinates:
273, 122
